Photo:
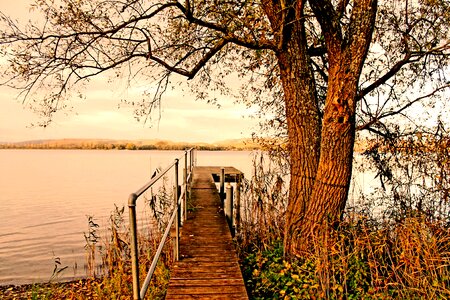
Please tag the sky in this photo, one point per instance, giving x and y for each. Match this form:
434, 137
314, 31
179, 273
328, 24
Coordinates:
182, 118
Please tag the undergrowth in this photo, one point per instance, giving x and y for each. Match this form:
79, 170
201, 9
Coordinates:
365, 257
359, 260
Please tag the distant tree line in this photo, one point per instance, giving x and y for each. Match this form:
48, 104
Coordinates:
120, 146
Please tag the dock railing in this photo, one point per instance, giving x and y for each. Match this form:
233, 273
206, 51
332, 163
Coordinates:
177, 215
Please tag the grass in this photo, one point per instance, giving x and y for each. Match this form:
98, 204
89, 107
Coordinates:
116, 285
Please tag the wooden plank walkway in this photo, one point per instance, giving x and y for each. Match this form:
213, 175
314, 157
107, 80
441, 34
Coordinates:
208, 267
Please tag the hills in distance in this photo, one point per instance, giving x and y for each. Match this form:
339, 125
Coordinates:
107, 144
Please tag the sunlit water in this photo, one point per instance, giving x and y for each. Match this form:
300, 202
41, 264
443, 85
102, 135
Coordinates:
46, 196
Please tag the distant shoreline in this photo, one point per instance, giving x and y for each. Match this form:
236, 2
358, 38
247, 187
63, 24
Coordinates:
103, 144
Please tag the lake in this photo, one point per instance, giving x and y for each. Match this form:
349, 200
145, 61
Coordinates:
46, 196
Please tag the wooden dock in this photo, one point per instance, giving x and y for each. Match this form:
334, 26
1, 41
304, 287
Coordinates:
208, 267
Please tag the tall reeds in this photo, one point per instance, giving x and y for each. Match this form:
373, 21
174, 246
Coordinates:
116, 281
263, 204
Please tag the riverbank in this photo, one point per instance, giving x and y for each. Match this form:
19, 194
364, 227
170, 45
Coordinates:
78, 289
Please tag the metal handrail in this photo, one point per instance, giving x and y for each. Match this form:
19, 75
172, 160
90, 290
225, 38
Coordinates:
152, 268
176, 214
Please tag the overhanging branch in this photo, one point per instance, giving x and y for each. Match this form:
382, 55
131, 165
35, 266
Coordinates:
229, 35
189, 73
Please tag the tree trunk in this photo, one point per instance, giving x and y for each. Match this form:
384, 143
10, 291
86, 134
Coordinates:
303, 120
320, 173
302, 113
321, 147
332, 181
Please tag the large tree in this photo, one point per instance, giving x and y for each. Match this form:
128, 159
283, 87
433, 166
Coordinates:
337, 66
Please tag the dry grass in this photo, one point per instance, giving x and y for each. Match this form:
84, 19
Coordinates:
409, 259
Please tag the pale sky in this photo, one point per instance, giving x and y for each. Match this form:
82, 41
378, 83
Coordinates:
182, 118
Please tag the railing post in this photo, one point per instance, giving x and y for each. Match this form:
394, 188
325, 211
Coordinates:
178, 219
228, 206
185, 187
222, 184
191, 169
134, 245
192, 159
238, 202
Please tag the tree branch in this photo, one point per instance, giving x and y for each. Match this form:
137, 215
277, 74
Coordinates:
341, 6
190, 74
377, 119
227, 34
409, 57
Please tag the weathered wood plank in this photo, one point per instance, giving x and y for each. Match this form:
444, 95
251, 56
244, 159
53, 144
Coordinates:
181, 282
211, 290
190, 277
208, 268
224, 288
236, 296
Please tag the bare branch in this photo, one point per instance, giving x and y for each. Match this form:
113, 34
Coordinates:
408, 58
227, 33
190, 73
377, 119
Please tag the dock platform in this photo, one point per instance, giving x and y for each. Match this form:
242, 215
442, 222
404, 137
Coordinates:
208, 267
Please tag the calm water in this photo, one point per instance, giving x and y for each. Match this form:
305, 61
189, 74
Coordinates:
46, 196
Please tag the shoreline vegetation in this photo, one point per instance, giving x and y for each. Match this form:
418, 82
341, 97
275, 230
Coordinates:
246, 144
361, 260
50, 290
109, 144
